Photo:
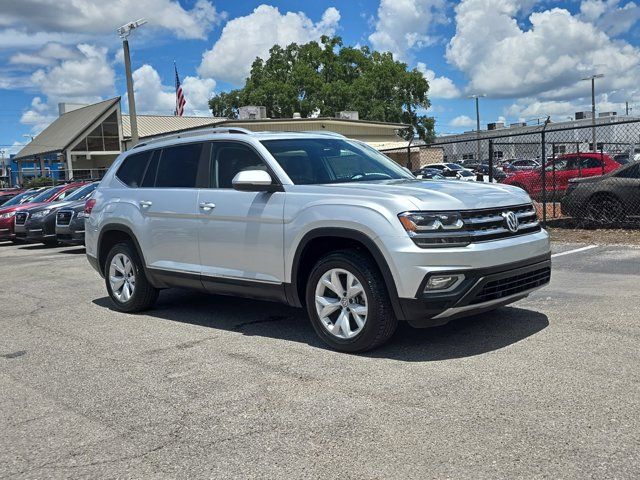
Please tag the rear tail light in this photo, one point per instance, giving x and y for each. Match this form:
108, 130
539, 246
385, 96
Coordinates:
88, 206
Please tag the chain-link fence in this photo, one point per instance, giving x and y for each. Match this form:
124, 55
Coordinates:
572, 183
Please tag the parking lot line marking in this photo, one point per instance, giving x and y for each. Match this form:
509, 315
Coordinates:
575, 250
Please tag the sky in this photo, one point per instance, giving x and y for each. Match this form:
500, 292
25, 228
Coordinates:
528, 57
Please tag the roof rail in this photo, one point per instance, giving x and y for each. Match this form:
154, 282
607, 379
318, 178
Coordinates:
324, 132
193, 133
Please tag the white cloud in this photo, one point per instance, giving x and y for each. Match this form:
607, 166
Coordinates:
49, 55
462, 121
405, 25
245, 38
152, 97
548, 60
611, 16
38, 116
100, 17
197, 92
439, 87
86, 77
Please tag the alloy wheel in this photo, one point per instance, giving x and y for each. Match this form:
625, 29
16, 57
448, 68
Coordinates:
341, 303
122, 277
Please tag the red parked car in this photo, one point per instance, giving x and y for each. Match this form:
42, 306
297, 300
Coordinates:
560, 171
8, 212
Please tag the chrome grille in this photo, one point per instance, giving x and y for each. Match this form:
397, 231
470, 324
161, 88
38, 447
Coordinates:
21, 218
482, 225
63, 217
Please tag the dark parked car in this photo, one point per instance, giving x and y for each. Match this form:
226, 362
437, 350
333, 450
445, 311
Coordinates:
38, 224
70, 224
427, 173
11, 207
7, 194
609, 198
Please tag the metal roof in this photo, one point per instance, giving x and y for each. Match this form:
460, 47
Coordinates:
154, 125
65, 129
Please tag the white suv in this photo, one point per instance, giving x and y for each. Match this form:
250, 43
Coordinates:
313, 220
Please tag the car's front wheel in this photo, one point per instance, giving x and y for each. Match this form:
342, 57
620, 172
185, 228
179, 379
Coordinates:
348, 303
127, 284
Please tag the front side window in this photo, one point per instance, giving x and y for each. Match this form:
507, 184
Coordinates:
178, 166
589, 162
229, 159
310, 161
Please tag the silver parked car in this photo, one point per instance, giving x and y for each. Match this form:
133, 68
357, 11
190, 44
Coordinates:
313, 220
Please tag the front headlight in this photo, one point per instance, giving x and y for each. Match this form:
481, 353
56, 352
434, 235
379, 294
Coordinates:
40, 214
8, 215
435, 229
419, 222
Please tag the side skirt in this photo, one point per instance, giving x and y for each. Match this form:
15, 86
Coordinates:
274, 292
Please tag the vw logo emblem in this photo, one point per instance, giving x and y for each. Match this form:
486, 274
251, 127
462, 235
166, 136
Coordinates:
511, 220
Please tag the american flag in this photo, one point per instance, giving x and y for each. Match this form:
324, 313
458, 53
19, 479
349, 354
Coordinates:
180, 101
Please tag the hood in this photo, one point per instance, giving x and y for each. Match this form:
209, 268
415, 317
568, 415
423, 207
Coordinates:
48, 206
15, 208
436, 194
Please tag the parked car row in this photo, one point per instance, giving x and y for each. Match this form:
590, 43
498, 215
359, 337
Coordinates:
48, 215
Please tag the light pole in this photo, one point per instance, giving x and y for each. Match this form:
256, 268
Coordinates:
593, 106
124, 32
477, 97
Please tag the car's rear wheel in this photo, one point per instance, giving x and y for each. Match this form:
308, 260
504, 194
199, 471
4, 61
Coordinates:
348, 303
127, 284
605, 209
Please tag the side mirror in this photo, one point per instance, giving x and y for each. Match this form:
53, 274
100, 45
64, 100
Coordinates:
253, 181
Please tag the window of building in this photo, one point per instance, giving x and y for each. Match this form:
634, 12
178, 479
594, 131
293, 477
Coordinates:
468, 156
103, 138
178, 167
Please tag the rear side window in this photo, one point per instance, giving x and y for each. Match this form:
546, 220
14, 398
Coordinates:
133, 168
178, 167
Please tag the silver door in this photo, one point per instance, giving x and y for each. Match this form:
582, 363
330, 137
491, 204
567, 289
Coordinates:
169, 205
241, 233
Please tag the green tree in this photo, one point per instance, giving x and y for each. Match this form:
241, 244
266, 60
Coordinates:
327, 77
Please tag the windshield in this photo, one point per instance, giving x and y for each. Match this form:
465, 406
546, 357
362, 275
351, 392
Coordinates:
47, 194
309, 161
82, 193
23, 197
454, 166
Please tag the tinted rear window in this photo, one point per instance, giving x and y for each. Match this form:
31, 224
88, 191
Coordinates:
179, 166
133, 168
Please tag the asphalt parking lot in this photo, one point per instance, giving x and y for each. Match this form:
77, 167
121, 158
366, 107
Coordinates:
215, 387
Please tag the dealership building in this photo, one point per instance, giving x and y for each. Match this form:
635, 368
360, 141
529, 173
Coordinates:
85, 139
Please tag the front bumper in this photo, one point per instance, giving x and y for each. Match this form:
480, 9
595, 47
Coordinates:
72, 234
482, 290
6, 228
34, 230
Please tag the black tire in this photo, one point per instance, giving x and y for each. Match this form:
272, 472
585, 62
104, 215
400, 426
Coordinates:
50, 242
144, 294
605, 209
381, 321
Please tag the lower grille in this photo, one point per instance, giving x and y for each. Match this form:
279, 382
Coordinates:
64, 218
21, 218
505, 287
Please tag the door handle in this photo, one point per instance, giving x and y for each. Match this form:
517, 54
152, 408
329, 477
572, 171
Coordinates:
207, 206
145, 203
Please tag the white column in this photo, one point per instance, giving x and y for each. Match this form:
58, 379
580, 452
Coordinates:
69, 165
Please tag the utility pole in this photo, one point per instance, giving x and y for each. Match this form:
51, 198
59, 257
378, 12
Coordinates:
593, 107
477, 97
124, 32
